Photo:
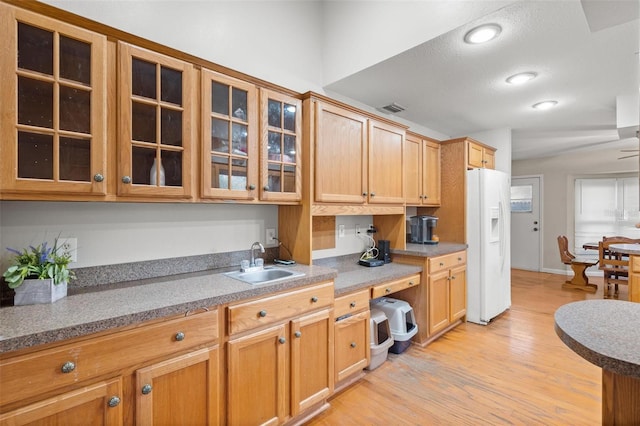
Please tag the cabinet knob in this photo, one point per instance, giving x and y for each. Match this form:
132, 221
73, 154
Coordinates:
453, 277
314, 299
179, 336
459, 259
410, 282
373, 194
352, 304
262, 314
114, 401
146, 389
387, 290
252, 187
68, 367
364, 194
265, 188
353, 344
282, 340
441, 264
297, 334
420, 196
426, 196
126, 179
98, 177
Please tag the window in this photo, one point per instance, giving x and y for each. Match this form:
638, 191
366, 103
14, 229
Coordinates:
521, 198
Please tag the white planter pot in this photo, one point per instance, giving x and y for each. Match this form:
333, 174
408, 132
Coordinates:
32, 291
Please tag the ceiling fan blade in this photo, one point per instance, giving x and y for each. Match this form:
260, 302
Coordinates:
628, 156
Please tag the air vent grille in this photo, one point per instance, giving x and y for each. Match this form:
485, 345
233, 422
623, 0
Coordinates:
393, 108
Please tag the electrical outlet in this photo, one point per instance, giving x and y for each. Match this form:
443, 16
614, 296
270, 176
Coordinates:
271, 236
69, 246
340, 231
357, 229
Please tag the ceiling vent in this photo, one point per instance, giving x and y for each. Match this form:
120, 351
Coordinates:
393, 108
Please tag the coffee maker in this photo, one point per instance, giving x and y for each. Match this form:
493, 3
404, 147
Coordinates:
422, 229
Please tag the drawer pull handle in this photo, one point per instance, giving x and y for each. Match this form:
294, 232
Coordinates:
352, 304
114, 401
146, 389
387, 290
353, 344
262, 314
179, 336
68, 367
314, 299
297, 334
282, 340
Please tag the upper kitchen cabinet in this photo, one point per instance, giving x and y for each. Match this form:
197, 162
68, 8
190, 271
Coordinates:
54, 106
155, 133
280, 147
230, 138
480, 156
421, 171
356, 159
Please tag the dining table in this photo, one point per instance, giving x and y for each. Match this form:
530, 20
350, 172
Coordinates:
633, 251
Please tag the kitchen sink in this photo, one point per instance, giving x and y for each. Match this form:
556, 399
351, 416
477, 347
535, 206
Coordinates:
266, 275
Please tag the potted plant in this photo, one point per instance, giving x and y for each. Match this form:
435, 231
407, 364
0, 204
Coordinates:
39, 274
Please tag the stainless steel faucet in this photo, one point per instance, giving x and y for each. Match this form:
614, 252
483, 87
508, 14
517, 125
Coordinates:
253, 259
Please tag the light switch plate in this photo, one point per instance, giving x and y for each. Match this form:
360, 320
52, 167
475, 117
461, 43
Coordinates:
340, 231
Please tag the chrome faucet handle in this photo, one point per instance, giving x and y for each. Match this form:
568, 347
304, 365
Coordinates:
253, 258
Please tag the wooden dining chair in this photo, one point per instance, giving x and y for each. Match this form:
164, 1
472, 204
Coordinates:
579, 267
615, 266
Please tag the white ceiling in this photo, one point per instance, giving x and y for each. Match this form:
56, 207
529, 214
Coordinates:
584, 58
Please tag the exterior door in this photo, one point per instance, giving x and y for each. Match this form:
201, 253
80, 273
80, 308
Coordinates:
526, 231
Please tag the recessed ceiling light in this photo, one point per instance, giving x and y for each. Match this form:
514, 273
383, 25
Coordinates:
521, 78
483, 33
544, 105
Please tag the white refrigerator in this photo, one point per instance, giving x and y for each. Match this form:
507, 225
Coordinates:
488, 238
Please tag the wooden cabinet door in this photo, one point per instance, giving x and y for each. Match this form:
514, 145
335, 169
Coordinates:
474, 155
179, 391
431, 173
352, 345
438, 301
413, 167
489, 159
257, 378
230, 137
155, 133
280, 147
54, 106
386, 180
457, 294
311, 360
96, 404
340, 155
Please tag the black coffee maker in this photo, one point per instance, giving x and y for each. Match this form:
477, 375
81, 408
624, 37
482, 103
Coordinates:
384, 253
422, 229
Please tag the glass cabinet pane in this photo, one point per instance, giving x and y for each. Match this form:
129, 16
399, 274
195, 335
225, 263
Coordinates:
274, 179
172, 165
171, 86
75, 159
274, 113
35, 102
219, 172
143, 78
35, 49
274, 149
289, 178
75, 110
239, 104
219, 98
289, 155
75, 60
171, 127
219, 135
141, 163
239, 139
144, 122
35, 156
289, 122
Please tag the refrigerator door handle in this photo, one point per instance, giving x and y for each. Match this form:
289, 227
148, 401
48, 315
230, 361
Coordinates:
502, 233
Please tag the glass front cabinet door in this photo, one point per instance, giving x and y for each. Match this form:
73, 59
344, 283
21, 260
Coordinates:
53, 103
281, 134
230, 153
155, 134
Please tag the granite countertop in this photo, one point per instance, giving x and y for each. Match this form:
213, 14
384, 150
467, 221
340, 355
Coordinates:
604, 332
430, 250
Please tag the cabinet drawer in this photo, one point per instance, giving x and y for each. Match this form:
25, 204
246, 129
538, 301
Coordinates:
32, 374
393, 286
635, 263
351, 303
248, 315
447, 262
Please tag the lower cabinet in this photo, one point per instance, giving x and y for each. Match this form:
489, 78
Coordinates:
283, 369
634, 278
352, 337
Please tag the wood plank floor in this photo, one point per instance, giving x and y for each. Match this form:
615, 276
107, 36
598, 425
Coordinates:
515, 371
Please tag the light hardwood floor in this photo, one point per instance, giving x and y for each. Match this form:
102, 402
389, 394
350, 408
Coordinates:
513, 371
